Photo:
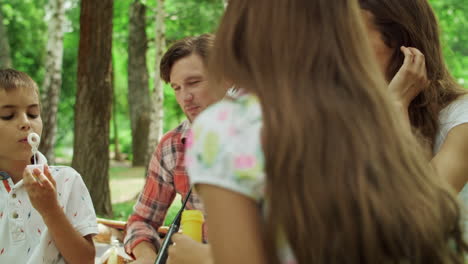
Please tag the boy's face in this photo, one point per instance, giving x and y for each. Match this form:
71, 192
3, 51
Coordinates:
19, 116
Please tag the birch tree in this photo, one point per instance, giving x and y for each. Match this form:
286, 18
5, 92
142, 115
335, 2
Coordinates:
55, 18
5, 56
157, 96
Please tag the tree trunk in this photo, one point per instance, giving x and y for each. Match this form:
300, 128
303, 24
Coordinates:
138, 91
157, 96
53, 77
94, 101
117, 153
5, 56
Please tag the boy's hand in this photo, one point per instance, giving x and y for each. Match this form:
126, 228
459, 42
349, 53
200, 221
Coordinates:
41, 190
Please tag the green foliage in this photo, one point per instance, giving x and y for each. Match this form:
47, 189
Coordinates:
65, 117
172, 212
183, 18
122, 210
27, 33
453, 20
187, 18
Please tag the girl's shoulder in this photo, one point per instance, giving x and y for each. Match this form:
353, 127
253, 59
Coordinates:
240, 101
224, 148
454, 114
458, 109
241, 111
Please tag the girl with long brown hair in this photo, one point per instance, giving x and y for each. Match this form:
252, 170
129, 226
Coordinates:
310, 164
405, 38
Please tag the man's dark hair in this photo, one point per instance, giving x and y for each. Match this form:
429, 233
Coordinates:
199, 45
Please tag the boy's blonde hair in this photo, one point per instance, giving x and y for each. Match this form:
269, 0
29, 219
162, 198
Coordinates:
11, 79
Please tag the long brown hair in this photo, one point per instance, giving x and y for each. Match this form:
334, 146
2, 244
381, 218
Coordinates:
412, 23
344, 183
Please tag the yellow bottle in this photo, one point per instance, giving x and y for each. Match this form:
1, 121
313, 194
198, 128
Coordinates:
192, 221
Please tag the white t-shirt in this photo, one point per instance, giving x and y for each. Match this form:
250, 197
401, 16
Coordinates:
455, 114
24, 238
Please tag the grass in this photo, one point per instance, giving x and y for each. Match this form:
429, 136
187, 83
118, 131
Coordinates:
124, 209
123, 171
125, 184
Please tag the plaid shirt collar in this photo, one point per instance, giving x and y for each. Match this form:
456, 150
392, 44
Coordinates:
184, 130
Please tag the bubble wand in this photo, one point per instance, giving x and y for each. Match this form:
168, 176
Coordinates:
34, 140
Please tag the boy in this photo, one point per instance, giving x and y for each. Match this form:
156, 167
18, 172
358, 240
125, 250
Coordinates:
45, 217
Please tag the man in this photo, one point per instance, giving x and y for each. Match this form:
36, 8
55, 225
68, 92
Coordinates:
183, 67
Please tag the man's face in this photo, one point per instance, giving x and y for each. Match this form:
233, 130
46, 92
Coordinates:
19, 116
188, 79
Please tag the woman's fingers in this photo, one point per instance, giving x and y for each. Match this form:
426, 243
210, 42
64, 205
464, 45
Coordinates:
421, 70
409, 57
416, 69
411, 78
419, 60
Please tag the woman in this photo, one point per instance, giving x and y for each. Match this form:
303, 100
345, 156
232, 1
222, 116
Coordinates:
405, 39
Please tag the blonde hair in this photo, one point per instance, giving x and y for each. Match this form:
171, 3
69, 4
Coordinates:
11, 79
345, 183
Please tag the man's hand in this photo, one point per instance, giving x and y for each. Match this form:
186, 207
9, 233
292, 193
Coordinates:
144, 260
411, 79
41, 190
187, 251
145, 253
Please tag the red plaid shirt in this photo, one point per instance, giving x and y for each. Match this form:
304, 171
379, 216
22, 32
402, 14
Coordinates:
166, 177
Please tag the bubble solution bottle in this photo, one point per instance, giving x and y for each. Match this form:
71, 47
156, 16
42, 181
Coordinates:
192, 222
